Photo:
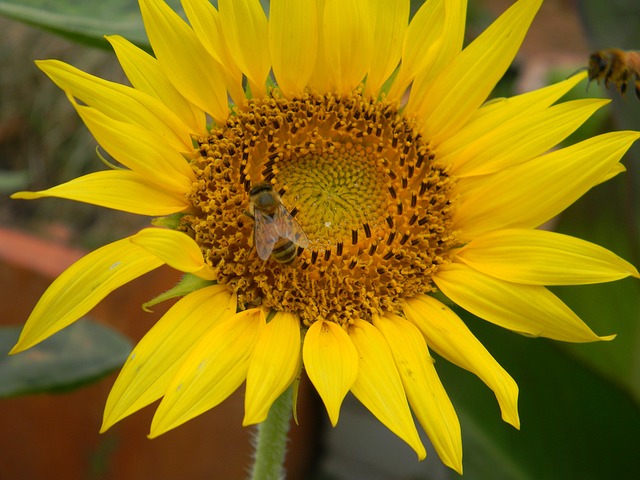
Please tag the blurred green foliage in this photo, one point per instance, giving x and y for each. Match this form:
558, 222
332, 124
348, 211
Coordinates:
81, 353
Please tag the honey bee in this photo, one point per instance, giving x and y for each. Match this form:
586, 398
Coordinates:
617, 66
275, 231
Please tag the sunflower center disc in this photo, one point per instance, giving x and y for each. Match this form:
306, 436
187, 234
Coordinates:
360, 181
335, 193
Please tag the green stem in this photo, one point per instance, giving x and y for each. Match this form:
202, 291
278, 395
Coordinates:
271, 440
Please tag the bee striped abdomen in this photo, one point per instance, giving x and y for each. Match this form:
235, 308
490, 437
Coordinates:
284, 251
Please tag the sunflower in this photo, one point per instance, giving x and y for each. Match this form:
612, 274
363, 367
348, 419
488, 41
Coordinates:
391, 184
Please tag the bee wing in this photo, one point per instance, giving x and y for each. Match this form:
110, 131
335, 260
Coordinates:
288, 227
265, 234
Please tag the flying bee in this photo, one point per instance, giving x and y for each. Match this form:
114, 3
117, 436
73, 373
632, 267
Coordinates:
617, 66
275, 231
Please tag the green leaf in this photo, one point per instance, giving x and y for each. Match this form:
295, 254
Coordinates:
79, 354
575, 423
83, 22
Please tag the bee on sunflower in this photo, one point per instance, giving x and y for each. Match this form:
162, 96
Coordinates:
360, 144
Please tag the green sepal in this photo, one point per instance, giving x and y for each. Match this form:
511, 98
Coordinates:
386, 86
187, 284
272, 85
170, 221
104, 160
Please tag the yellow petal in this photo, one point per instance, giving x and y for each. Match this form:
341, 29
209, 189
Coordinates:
348, 42
522, 138
617, 169
498, 111
184, 60
538, 257
529, 194
140, 150
205, 21
146, 374
391, 21
120, 102
467, 81
421, 43
427, 397
451, 40
331, 362
320, 80
176, 249
274, 365
528, 309
117, 189
215, 367
449, 336
81, 286
145, 74
448, 47
293, 40
245, 29
378, 385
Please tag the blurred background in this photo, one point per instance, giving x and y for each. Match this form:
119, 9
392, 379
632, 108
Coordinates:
579, 404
